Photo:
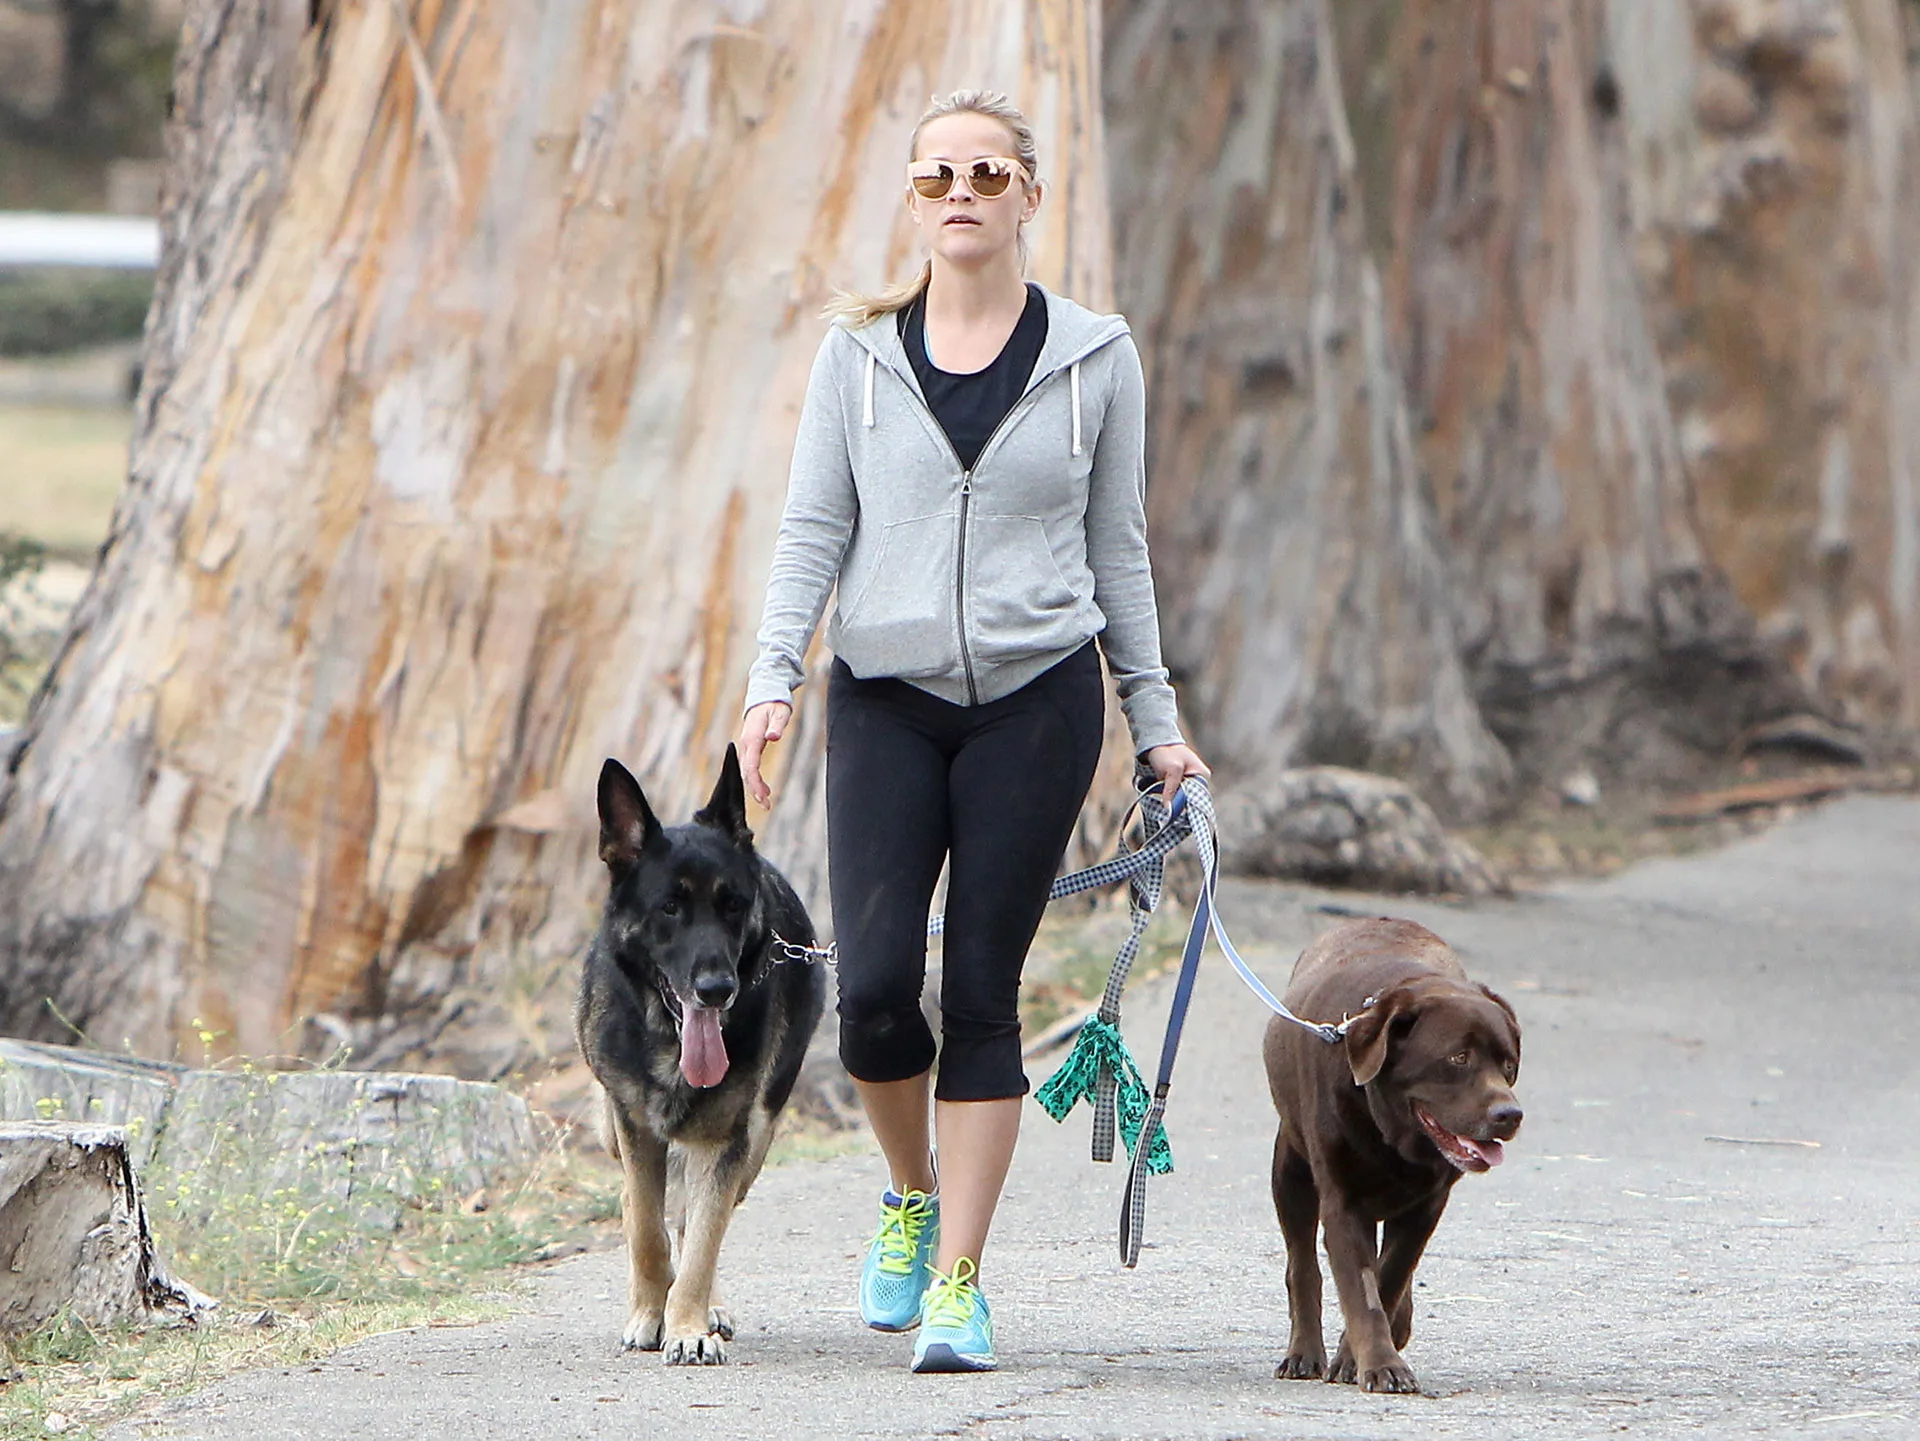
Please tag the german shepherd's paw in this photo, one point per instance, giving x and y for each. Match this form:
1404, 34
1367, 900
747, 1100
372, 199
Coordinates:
644, 1331
698, 1350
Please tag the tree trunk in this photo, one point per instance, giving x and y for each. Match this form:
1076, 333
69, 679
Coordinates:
471, 387
1304, 585
1776, 192
1600, 623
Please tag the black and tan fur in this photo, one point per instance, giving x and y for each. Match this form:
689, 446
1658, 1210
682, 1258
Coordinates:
690, 917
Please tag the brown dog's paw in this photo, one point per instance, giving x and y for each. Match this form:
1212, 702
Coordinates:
720, 1323
1394, 1379
705, 1350
1343, 1372
1302, 1367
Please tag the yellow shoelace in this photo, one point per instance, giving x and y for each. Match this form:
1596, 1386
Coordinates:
952, 1296
900, 1229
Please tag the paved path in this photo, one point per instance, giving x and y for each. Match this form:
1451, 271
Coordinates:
1622, 1273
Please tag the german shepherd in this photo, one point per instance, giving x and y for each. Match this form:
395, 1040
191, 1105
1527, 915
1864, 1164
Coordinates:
696, 1035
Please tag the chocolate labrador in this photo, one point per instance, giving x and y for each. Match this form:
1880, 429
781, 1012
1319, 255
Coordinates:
1375, 1131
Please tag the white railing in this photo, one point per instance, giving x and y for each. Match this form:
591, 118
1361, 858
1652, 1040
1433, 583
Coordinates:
118, 242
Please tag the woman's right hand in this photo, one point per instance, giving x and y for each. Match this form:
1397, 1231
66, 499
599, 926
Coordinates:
760, 727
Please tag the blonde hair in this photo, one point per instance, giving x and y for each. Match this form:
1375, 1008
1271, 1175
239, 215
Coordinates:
857, 309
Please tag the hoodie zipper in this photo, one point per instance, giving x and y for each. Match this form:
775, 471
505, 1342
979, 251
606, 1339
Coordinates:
960, 578
966, 500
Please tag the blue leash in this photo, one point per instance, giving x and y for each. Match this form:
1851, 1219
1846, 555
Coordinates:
1100, 1068
1099, 1052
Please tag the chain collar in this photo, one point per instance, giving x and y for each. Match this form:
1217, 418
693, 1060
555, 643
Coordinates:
785, 952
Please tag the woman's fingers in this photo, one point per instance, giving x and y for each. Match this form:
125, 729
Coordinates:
1172, 764
764, 723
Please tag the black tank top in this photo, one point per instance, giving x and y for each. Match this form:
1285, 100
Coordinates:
971, 407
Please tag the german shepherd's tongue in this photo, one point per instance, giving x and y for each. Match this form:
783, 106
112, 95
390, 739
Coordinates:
703, 1054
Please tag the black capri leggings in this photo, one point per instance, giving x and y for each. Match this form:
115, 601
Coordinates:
992, 789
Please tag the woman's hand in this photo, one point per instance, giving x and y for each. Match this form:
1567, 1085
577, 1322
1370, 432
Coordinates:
759, 728
1172, 764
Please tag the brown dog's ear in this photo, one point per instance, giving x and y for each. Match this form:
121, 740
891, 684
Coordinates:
627, 822
1372, 1033
726, 809
1513, 1021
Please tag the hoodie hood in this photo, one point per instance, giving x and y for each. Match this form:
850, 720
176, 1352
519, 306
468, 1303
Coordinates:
1073, 334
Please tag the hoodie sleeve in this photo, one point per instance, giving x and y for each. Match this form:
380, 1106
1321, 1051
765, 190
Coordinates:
1117, 554
814, 529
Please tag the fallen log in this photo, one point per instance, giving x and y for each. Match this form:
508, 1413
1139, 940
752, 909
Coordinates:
1707, 805
1330, 826
375, 1141
74, 1234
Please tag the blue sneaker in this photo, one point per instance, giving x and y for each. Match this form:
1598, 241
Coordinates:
956, 1325
898, 1261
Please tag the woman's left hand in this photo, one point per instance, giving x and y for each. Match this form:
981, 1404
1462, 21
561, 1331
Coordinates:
1172, 764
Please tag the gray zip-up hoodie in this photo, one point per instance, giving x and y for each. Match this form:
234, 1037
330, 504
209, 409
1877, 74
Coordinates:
968, 584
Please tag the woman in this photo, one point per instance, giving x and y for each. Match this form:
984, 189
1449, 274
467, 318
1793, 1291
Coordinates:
969, 471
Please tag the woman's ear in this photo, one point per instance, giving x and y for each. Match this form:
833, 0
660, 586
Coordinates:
1034, 197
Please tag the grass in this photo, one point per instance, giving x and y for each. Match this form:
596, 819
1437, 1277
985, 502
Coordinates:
78, 1379
1071, 957
298, 1273
61, 470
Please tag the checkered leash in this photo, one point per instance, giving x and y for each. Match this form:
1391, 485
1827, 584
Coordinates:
1100, 1068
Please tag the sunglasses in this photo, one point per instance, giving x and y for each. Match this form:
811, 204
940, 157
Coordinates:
987, 178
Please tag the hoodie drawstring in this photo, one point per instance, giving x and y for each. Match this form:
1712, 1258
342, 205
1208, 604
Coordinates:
866, 413
1073, 380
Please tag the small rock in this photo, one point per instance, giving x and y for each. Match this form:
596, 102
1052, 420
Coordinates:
1580, 789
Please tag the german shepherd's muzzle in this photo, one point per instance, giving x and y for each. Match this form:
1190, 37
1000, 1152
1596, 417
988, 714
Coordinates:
696, 1036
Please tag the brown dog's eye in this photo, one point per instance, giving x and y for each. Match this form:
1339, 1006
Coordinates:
1458, 1058
1512, 1069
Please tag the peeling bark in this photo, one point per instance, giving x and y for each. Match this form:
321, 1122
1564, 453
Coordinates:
1303, 579
1777, 201
471, 385
1599, 617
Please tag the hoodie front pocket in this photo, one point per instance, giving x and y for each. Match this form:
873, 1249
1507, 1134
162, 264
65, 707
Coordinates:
899, 621
1018, 603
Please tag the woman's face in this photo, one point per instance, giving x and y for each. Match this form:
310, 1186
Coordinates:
960, 227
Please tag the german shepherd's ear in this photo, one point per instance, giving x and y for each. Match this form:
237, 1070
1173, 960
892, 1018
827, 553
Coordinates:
726, 809
627, 822
1373, 1032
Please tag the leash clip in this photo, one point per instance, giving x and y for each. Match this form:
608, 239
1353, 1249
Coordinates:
786, 952
1334, 1035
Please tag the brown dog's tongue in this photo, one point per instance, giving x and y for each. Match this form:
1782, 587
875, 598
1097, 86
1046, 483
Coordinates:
1492, 1152
703, 1054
